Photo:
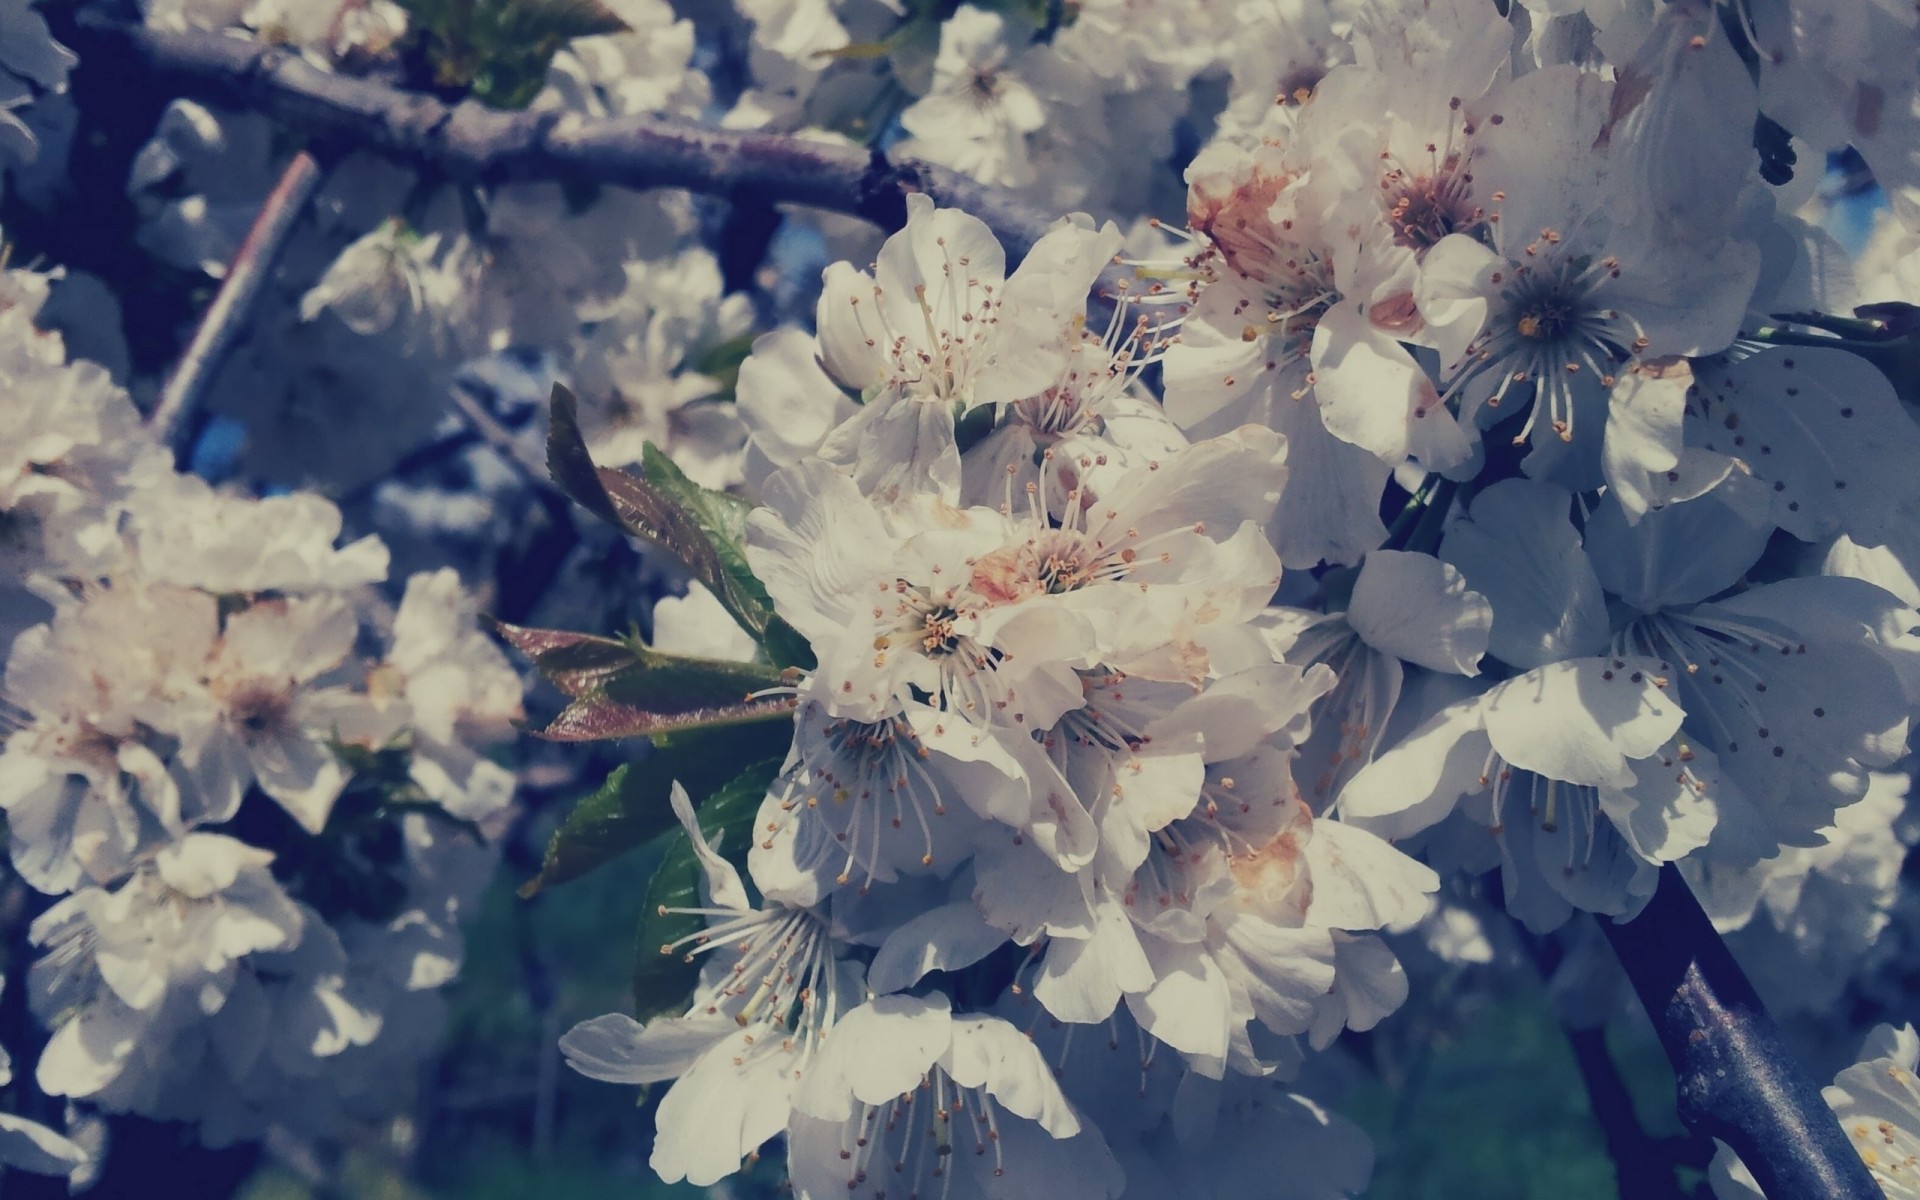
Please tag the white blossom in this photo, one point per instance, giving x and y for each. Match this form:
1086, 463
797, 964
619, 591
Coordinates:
771, 994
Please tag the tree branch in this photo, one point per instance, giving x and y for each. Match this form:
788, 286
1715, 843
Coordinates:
471, 142
1736, 1078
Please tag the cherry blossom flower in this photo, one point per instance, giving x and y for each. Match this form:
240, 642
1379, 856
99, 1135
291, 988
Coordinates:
771, 993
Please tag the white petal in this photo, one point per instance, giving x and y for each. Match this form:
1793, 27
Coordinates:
1373, 395
1670, 811
1189, 1006
1331, 509
1019, 889
946, 938
1519, 549
1370, 985
1679, 554
1826, 435
733, 1099
1283, 972
1082, 980
815, 545
30, 1146
988, 1052
878, 1052
1417, 608
1581, 721
723, 886
1360, 882
1454, 292
618, 1049
1643, 453
1417, 782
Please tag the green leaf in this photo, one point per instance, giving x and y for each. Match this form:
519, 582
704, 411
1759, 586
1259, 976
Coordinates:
722, 519
785, 647
855, 51
623, 689
662, 978
721, 362
704, 529
631, 807
499, 51
911, 51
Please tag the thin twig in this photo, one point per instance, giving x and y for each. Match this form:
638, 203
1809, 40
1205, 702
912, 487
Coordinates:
1736, 1077
172, 418
1642, 1166
527, 464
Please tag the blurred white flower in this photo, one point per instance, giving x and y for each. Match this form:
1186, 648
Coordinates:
187, 533
637, 369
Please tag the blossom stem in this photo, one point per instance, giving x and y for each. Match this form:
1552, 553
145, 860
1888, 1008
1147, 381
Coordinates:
1736, 1078
172, 417
1424, 537
1409, 515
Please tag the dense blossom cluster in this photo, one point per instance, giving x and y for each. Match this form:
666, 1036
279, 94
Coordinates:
1043, 716
250, 790
1412, 501
1126, 714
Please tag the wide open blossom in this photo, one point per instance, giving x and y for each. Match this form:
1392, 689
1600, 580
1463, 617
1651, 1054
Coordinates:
460, 693
83, 780
940, 327
1403, 608
1602, 254
1795, 687
126, 968
1246, 349
771, 990
892, 614
983, 102
1574, 770
1211, 897
864, 801
637, 369
911, 1098
268, 715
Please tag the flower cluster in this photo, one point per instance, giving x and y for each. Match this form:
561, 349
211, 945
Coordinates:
1092, 669
250, 790
1044, 753
1441, 488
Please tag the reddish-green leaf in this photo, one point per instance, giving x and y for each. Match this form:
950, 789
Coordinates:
622, 689
704, 529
